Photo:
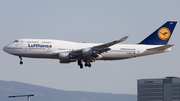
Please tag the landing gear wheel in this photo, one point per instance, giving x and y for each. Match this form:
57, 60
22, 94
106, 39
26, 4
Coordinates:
87, 64
80, 64
21, 62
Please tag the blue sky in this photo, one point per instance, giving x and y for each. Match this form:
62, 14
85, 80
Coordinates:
88, 21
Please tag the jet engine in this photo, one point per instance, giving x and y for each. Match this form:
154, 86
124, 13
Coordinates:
89, 51
66, 58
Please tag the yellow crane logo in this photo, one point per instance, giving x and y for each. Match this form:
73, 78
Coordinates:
164, 33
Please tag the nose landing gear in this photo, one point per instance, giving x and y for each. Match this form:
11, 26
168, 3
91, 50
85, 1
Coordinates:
21, 62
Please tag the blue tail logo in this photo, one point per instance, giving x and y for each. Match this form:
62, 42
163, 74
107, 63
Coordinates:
162, 35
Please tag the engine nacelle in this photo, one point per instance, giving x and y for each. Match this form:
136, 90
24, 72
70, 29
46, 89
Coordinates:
64, 57
89, 51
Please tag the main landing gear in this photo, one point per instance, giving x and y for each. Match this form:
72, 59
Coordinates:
86, 64
21, 62
80, 64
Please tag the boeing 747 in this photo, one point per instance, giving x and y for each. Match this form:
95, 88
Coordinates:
67, 51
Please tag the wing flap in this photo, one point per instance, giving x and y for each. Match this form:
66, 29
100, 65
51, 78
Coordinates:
161, 47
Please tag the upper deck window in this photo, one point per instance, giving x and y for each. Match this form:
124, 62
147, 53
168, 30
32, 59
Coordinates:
16, 41
32, 42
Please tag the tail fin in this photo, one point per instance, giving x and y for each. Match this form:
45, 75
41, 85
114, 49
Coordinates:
162, 35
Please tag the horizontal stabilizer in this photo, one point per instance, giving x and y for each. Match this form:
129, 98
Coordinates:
161, 47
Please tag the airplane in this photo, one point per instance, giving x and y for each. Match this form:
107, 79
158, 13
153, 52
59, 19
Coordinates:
67, 51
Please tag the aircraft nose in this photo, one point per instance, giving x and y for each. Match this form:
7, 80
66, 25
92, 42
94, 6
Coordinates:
5, 48
8, 49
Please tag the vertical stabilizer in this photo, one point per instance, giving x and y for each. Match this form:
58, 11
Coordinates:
162, 35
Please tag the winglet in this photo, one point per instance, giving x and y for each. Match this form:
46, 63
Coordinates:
123, 39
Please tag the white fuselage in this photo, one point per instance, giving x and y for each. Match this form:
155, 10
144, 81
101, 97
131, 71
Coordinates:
46, 48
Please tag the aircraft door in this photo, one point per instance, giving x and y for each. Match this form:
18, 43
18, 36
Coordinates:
138, 52
24, 46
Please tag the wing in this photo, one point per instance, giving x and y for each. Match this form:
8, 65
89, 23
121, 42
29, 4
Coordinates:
86, 54
102, 47
93, 52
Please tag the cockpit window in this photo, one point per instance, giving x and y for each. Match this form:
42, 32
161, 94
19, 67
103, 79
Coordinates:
16, 41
